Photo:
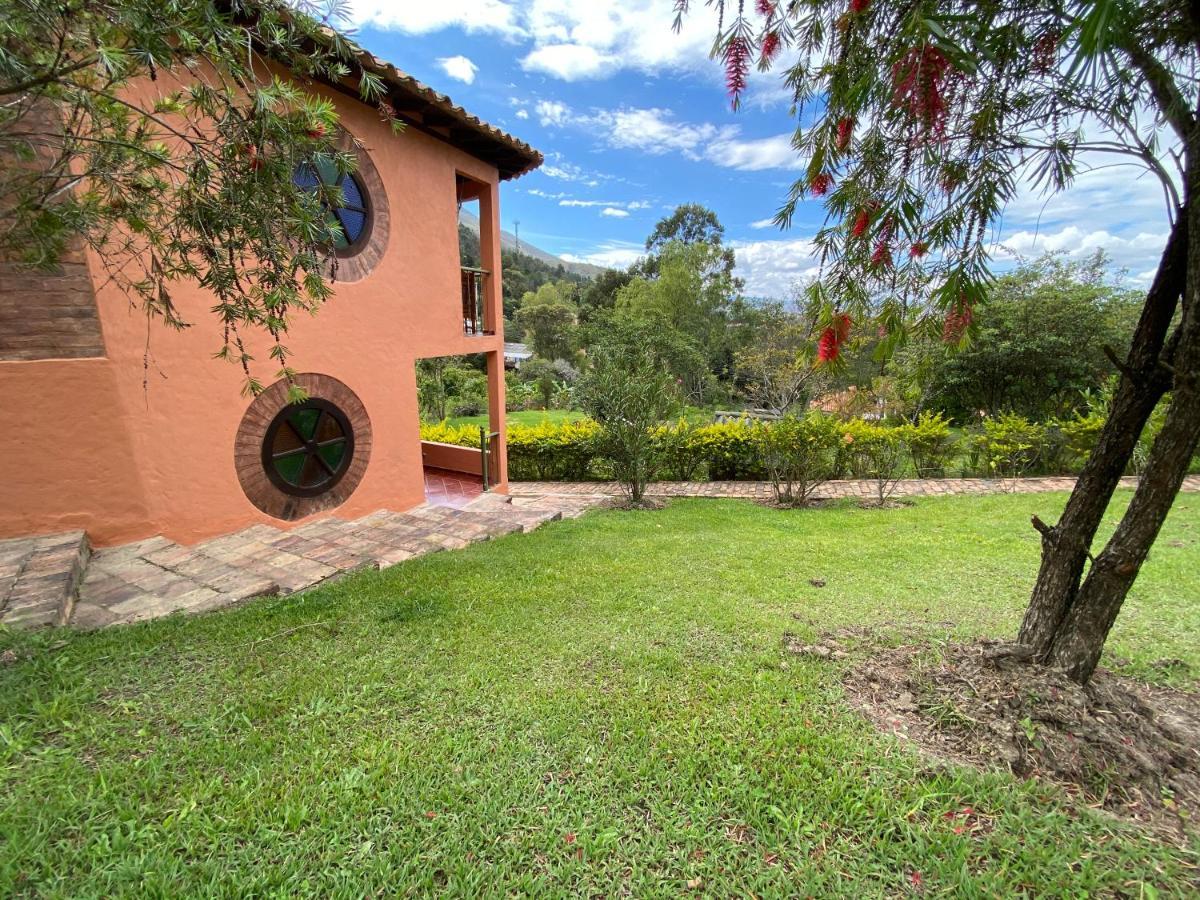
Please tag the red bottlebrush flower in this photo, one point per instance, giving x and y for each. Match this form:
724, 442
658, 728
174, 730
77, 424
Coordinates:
919, 86
918, 250
766, 8
958, 320
770, 46
882, 254
820, 184
845, 131
861, 221
737, 65
1045, 52
859, 6
316, 131
841, 326
828, 348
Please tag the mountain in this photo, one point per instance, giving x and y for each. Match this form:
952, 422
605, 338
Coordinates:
508, 241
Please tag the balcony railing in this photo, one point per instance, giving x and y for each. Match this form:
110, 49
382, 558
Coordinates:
474, 301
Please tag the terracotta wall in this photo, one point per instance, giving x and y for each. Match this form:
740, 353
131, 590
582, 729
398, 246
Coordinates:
140, 443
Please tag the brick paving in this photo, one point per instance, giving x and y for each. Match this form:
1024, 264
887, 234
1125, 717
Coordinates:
761, 490
57, 580
453, 489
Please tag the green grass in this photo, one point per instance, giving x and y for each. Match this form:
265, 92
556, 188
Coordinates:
524, 417
601, 707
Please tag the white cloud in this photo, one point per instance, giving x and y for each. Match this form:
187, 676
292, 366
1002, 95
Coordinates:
614, 213
658, 132
420, 17
570, 62
756, 154
567, 39
610, 254
552, 113
522, 114
459, 68
772, 268
763, 223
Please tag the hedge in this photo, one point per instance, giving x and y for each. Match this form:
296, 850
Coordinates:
738, 450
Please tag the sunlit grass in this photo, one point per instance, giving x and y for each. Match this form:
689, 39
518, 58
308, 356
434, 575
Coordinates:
601, 707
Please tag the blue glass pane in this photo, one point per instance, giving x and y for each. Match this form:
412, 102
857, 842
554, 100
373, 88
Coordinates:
354, 222
304, 177
352, 192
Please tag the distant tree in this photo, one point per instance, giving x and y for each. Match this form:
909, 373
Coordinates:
690, 295
919, 121
547, 319
109, 136
775, 366
628, 391
601, 294
690, 224
1040, 343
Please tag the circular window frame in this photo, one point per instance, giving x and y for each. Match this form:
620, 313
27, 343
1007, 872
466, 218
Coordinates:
252, 475
356, 246
309, 447
356, 262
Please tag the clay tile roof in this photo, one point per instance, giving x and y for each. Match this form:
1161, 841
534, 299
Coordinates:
435, 113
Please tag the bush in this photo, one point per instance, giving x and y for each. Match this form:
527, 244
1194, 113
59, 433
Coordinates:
679, 450
930, 444
731, 450
1009, 446
552, 452
798, 454
875, 453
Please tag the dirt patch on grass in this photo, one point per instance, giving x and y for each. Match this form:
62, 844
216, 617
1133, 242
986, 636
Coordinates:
1119, 744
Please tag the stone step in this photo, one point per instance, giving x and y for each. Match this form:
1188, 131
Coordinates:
262, 551
568, 507
501, 507
157, 577
474, 526
39, 578
423, 533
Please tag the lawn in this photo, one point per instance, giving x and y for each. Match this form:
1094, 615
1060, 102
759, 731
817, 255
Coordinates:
599, 708
524, 417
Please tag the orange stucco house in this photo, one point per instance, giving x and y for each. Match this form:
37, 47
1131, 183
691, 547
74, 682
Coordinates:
127, 432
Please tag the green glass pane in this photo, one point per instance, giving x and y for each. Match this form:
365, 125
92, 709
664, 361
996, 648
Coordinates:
290, 467
333, 454
339, 236
305, 422
328, 171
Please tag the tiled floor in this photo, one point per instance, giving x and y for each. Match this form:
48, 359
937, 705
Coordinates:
454, 489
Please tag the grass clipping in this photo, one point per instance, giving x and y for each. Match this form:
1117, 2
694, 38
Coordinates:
1121, 745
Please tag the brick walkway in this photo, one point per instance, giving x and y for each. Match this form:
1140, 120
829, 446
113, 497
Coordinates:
761, 490
57, 580
446, 488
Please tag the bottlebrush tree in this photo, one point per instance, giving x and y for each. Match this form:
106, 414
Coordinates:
920, 121
157, 134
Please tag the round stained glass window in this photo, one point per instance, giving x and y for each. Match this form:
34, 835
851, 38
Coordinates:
352, 220
308, 448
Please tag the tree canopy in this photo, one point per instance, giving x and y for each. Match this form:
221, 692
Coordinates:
157, 134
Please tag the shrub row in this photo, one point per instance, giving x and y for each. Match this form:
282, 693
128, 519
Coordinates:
743, 450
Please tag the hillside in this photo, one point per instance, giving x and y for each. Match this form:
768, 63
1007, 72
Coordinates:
508, 241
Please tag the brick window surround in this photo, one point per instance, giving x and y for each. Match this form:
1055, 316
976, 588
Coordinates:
357, 266
247, 450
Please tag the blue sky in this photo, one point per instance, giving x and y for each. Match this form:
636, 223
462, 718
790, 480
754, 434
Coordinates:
633, 119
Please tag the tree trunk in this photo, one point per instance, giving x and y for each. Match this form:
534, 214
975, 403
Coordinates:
1080, 639
1142, 384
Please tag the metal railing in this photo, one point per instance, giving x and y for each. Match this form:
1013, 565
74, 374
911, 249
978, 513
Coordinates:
485, 454
474, 301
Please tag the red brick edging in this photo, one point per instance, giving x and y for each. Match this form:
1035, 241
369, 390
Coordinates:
757, 490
